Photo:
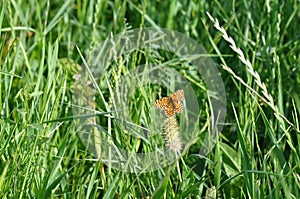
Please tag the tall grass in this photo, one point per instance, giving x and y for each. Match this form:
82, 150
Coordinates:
43, 46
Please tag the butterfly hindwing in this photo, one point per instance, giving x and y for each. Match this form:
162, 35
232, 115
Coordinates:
178, 107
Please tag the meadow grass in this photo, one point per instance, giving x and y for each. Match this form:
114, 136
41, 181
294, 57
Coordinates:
45, 44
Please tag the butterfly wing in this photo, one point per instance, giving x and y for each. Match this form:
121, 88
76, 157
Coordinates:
162, 103
177, 100
178, 107
178, 95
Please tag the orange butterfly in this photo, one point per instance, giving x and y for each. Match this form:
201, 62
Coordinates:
171, 104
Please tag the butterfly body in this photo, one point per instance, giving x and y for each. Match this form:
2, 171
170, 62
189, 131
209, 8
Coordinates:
172, 104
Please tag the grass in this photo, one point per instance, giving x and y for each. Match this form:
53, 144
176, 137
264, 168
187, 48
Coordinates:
45, 44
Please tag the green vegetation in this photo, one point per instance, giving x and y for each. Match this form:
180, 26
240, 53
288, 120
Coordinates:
43, 46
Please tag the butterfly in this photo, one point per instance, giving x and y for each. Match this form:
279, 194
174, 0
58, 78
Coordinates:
172, 104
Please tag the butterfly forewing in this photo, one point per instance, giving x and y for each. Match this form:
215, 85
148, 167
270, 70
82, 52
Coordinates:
178, 95
162, 103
